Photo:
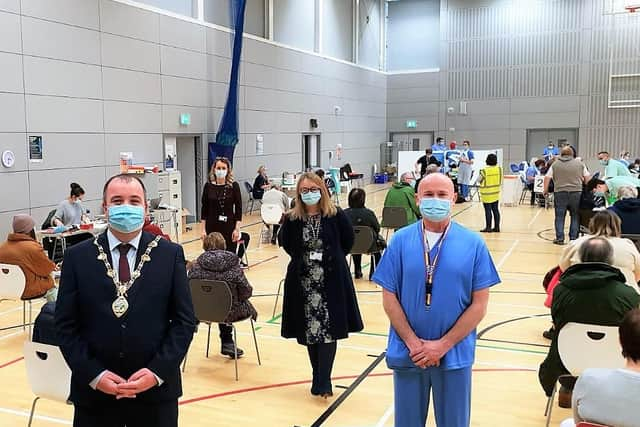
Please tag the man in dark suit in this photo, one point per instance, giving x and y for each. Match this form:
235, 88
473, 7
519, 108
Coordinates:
125, 318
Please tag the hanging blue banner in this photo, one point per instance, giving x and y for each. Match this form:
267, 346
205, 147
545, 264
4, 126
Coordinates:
227, 135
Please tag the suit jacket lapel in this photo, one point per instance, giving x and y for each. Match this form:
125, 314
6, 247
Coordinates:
104, 242
145, 239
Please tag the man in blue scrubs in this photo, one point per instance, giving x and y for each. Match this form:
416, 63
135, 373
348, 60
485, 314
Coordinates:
435, 276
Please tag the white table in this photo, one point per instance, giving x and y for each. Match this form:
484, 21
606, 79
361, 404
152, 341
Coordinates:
98, 227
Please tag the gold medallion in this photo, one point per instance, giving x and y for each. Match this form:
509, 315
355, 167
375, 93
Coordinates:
120, 306
146, 258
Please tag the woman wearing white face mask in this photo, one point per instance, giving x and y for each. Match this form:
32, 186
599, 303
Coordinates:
70, 211
320, 305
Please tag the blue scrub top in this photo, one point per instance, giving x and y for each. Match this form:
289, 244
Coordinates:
465, 266
532, 171
549, 152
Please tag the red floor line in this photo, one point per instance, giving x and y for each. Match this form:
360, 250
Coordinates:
11, 362
279, 385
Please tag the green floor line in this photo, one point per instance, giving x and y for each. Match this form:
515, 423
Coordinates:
273, 319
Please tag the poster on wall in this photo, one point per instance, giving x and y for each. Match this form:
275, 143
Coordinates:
35, 148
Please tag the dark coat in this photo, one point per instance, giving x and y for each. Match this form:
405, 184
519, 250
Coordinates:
154, 333
344, 315
587, 293
366, 217
225, 266
629, 212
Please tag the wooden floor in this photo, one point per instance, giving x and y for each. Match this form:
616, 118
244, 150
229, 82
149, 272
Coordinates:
505, 383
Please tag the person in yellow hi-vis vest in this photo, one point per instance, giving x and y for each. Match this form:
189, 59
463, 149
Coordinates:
490, 182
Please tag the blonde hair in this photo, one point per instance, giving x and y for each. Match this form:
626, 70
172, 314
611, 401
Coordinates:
212, 172
260, 169
627, 193
327, 207
214, 241
605, 223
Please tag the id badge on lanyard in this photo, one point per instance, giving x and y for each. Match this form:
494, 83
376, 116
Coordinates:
430, 267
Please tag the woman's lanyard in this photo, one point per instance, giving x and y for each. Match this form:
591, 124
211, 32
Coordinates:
431, 266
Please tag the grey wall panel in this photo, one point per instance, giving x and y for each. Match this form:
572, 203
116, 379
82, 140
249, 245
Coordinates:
545, 120
407, 47
478, 122
50, 187
5, 222
545, 104
54, 114
16, 142
293, 23
12, 117
11, 66
183, 63
129, 117
82, 13
413, 80
337, 31
218, 69
413, 108
546, 81
260, 75
10, 33
70, 150
413, 94
218, 43
369, 35
171, 119
124, 52
146, 148
14, 200
182, 34
287, 123
181, 91
10, 6
117, 18
135, 86
62, 78
257, 121
60, 41
217, 94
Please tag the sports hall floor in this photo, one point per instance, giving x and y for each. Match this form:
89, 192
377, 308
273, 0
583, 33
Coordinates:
505, 385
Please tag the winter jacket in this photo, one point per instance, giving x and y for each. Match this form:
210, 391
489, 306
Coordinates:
629, 212
403, 196
23, 251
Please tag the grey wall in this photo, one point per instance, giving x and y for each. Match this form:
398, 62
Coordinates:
545, 66
413, 34
97, 77
183, 7
294, 23
369, 33
337, 29
217, 12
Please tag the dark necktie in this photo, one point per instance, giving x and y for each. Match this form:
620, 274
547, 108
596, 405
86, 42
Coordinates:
123, 268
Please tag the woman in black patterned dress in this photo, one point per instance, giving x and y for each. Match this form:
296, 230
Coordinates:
320, 305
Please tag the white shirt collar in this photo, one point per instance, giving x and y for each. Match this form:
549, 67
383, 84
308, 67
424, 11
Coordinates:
114, 242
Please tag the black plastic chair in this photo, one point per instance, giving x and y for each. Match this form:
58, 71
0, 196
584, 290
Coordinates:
393, 217
251, 199
362, 243
212, 301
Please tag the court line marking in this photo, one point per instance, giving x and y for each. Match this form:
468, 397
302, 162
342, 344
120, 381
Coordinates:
37, 417
533, 219
11, 362
387, 414
507, 254
12, 334
344, 377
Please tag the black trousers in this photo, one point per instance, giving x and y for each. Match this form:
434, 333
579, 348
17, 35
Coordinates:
533, 195
322, 357
129, 413
357, 263
233, 245
490, 208
226, 333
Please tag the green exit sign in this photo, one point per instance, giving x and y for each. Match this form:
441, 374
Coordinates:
185, 119
412, 124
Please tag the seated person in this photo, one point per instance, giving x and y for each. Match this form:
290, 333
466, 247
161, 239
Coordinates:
320, 173
402, 195
627, 207
625, 257
218, 264
610, 396
432, 168
360, 215
592, 291
530, 176
22, 249
261, 183
70, 211
275, 196
634, 167
609, 187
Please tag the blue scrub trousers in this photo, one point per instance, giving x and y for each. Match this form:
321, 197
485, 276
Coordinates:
464, 190
451, 391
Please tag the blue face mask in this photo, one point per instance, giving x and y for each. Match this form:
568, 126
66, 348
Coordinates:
412, 183
434, 209
310, 198
126, 218
599, 193
604, 162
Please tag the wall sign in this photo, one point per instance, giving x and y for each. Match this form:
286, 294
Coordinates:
185, 119
35, 148
411, 124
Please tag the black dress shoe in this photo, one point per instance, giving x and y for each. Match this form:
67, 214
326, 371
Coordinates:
486, 230
495, 230
558, 242
227, 350
550, 333
358, 275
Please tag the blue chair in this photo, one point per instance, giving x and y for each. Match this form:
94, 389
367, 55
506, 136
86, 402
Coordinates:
514, 168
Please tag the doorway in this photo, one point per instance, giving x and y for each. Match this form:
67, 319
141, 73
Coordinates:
413, 141
184, 151
310, 151
538, 139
